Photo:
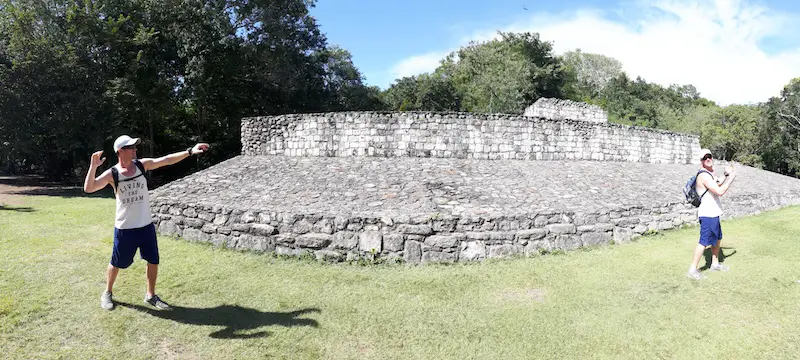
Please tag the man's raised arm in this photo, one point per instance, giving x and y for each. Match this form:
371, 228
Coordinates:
720, 189
92, 184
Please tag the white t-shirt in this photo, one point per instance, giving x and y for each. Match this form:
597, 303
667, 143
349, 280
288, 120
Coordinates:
710, 205
133, 201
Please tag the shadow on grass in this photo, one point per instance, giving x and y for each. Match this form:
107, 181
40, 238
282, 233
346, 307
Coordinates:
32, 185
722, 256
234, 318
16, 208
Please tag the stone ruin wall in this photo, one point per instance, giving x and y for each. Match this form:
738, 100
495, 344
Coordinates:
443, 238
431, 238
558, 109
460, 135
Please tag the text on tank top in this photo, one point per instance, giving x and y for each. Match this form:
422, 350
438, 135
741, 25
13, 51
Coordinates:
133, 201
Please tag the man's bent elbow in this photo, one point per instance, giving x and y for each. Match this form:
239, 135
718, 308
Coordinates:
91, 188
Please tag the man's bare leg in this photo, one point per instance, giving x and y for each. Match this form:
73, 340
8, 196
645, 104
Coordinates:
715, 254
106, 300
111, 276
698, 254
152, 275
151, 297
715, 265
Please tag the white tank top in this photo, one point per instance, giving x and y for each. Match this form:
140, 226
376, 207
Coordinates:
710, 205
133, 201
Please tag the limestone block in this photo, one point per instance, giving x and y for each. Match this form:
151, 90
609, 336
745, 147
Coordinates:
393, 242
504, 251
595, 238
438, 257
313, 240
413, 252
370, 241
472, 251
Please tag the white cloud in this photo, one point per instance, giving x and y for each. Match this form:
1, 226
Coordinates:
417, 64
713, 45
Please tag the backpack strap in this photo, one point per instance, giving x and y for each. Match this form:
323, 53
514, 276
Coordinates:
115, 175
146, 174
698, 176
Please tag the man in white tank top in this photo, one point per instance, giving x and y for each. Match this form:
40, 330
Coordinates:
133, 224
709, 212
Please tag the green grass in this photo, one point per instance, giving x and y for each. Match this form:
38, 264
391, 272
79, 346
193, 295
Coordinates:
629, 301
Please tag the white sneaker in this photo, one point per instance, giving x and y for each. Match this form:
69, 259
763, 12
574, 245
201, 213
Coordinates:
106, 300
695, 275
719, 267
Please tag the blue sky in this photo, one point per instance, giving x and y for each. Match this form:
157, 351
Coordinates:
733, 51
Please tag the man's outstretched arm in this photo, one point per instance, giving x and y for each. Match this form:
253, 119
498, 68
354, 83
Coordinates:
152, 164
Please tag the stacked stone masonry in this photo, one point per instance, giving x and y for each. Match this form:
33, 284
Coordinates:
419, 240
438, 210
460, 136
558, 109
447, 187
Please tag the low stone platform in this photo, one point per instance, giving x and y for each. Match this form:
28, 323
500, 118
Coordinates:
439, 210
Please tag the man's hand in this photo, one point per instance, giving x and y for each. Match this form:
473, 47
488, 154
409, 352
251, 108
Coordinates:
730, 171
96, 160
199, 148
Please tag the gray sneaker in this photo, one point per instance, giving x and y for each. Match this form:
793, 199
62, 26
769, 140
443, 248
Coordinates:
694, 274
106, 301
719, 267
157, 302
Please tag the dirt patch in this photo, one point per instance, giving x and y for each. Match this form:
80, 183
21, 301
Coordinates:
169, 350
13, 189
535, 295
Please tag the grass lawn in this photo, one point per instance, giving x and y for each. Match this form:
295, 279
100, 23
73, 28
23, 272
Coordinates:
629, 301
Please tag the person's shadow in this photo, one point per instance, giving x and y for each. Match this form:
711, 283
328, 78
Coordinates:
234, 318
16, 208
722, 256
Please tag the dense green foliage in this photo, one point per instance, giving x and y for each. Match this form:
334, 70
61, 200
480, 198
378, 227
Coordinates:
74, 74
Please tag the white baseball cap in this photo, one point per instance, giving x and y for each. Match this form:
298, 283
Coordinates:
704, 152
125, 140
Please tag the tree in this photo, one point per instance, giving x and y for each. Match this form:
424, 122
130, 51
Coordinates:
504, 75
779, 135
77, 73
732, 134
436, 92
428, 92
345, 84
589, 73
789, 107
402, 94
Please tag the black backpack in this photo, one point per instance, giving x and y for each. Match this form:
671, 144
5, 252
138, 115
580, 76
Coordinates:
115, 174
690, 189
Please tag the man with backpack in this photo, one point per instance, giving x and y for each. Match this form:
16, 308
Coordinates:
709, 212
133, 224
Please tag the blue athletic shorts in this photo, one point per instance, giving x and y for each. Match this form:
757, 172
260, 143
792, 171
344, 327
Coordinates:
126, 241
710, 231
